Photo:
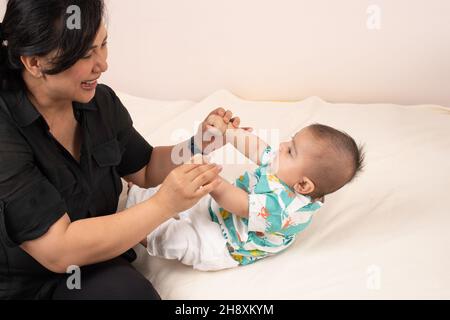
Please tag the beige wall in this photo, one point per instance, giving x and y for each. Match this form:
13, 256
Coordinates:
281, 50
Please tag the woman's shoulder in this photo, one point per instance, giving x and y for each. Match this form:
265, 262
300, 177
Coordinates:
104, 94
13, 145
6, 99
111, 107
107, 100
104, 89
3, 101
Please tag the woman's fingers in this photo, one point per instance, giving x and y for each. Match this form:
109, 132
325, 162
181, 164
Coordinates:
188, 167
218, 111
215, 131
203, 191
193, 174
206, 177
179, 189
236, 122
227, 117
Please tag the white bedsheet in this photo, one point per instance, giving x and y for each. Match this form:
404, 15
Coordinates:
383, 236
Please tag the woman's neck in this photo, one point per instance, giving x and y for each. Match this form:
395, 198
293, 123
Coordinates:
47, 106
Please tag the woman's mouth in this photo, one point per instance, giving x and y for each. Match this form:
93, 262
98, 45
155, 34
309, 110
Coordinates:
89, 85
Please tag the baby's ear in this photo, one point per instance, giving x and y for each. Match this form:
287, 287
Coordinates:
305, 186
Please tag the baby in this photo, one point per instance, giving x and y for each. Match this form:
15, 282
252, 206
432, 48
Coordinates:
261, 214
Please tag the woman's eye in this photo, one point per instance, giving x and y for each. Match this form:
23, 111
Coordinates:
90, 55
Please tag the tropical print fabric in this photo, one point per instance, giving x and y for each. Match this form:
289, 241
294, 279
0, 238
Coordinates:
276, 215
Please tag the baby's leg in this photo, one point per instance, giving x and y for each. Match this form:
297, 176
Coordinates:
212, 245
175, 239
194, 240
137, 195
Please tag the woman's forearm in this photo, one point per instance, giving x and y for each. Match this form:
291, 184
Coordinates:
164, 160
159, 166
99, 239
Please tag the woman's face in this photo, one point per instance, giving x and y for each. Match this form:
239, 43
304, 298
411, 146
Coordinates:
79, 82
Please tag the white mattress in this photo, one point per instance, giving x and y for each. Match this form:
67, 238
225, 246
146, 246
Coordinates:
383, 236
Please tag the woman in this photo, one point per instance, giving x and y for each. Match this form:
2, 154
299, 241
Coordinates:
64, 144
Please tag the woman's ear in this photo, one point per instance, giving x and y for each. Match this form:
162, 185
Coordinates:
305, 186
33, 65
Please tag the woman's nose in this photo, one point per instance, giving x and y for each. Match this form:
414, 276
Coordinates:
100, 66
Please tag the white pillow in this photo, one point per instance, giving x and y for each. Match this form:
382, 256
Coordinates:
148, 114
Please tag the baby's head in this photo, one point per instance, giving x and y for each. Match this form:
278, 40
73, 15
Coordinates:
319, 160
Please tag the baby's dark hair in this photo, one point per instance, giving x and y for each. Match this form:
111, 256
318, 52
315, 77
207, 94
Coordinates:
340, 160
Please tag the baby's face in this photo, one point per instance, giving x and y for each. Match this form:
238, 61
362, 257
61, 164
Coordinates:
292, 158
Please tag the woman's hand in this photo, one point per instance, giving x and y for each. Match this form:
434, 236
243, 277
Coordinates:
215, 121
211, 132
186, 185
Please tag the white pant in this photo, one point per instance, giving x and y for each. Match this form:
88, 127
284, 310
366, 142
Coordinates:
194, 239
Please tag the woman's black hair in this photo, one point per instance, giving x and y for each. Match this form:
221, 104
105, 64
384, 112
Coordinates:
38, 27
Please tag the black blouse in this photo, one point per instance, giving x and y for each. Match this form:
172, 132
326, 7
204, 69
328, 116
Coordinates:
40, 181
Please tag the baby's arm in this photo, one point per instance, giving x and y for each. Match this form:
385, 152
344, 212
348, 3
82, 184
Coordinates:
228, 196
231, 198
250, 145
247, 143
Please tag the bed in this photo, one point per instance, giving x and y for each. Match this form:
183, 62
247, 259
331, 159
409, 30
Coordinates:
384, 236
